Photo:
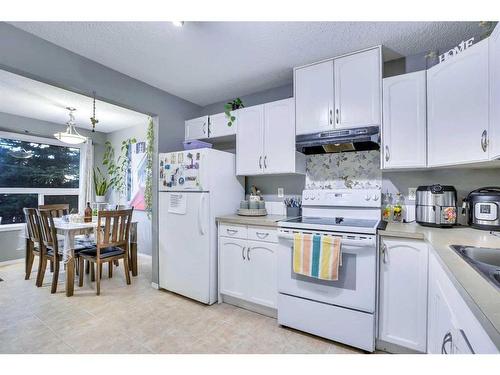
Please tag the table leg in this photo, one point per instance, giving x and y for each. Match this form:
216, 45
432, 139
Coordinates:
133, 258
70, 276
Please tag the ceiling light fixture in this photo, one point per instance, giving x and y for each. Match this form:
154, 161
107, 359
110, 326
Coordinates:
178, 23
70, 136
93, 119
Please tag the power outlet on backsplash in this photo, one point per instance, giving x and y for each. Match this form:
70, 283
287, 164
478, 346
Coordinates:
412, 194
281, 192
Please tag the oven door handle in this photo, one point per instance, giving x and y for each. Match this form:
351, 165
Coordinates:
344, 241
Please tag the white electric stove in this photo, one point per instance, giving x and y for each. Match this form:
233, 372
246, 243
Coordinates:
342, 310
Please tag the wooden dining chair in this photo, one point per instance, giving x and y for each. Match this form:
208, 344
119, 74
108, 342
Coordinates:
57, 210
34, 246
112, 242
50, 243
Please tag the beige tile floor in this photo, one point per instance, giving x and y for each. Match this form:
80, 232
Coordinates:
134, 319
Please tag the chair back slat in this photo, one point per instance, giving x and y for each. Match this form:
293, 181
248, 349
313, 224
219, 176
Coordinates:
114, 227
48, 229
32, 226
57, 210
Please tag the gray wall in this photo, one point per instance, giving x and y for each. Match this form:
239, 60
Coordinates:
33, 57
11, 248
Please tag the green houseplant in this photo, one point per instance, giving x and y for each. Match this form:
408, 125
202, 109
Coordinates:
101, 185
148, 193
232, 106
117, 169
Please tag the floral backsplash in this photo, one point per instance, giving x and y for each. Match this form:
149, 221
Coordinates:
351, 170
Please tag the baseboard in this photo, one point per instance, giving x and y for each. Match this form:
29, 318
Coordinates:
394, 348
155, 285
12, 261
264, 310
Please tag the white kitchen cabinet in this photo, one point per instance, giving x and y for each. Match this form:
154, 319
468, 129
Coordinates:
232, 262
218, 125
248, 267
457, 108
313, 87
403, 293
196, 128
358, 89
262, 275
265, 140
404, 130
494, 66
452, 327
250, 141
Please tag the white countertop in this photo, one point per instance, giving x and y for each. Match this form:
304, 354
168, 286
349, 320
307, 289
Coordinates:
481, 296
267, 221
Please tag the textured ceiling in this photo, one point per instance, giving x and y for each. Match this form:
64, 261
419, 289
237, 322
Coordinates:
206, 62
25, 97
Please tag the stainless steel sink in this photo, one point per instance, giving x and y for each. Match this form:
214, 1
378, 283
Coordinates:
484, 260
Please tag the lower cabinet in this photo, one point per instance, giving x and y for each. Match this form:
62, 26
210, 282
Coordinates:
452, 327
247, 267
403, 293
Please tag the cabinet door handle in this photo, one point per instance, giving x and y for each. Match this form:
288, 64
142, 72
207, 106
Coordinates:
337, 116
243, 252
331, 117
447, 338
209, 131
261, 235
265, 161
203, 128
248, 253
260, 162
484, 140
231, 231
387, 155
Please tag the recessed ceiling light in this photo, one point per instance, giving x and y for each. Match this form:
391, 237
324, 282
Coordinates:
178, 23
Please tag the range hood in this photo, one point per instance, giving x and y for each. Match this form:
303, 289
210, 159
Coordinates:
346, 140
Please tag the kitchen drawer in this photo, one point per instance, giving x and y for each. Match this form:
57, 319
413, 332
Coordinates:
233, 230
263, 234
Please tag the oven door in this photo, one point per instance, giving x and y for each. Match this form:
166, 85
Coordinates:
355, 288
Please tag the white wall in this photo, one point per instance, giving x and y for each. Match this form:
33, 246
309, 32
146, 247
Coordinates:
144, 225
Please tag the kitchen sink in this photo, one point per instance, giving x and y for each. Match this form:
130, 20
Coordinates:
484, 260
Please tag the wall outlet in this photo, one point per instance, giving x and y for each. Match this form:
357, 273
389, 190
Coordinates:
281, 192
412, 194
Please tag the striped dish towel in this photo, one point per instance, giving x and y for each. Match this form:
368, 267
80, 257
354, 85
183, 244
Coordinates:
317, 256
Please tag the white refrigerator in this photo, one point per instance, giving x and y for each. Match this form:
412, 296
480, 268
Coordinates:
196, 186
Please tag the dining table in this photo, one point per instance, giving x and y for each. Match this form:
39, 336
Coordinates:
68, 230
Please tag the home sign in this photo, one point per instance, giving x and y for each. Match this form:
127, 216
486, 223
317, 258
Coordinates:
456, 50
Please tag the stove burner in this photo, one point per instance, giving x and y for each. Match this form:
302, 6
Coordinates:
339, 220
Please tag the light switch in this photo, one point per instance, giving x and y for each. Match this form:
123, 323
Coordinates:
281, 192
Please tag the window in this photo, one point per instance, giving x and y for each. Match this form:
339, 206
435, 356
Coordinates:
34, 171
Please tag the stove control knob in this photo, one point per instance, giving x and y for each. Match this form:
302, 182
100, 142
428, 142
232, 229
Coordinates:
367, 198
306, 197
375, 197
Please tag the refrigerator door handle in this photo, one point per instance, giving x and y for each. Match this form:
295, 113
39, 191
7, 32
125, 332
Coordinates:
200, 214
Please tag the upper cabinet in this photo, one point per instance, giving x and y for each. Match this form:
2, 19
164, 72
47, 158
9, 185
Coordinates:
457, 104
213, 126
313, 85
265, 140
196, 128
339, 93
404, 130
494, 50
358, 89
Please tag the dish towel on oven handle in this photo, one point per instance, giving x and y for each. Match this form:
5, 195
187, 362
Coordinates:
317, 256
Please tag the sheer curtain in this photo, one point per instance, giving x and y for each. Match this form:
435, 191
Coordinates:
86, 168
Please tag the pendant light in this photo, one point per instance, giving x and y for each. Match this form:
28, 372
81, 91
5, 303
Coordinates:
70, 136
93, 119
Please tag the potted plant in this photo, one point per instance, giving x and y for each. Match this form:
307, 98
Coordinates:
232, 106
101, 186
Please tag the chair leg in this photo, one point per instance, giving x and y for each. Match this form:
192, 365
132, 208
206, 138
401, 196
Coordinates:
127, 270
51, 265
42, 265
55, 276
92, 271
133, 258
110, 269
30, 257
87, 267
80, 272
98, 277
